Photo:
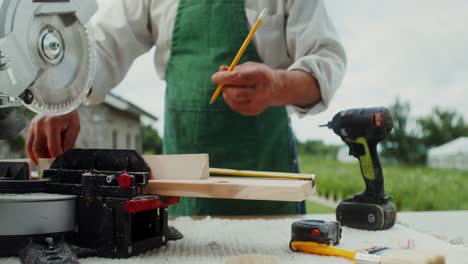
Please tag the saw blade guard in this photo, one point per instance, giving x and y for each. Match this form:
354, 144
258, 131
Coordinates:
47, 53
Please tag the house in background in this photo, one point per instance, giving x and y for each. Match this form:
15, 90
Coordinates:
114, 124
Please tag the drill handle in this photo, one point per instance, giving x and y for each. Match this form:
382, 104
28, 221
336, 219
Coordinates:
371, 169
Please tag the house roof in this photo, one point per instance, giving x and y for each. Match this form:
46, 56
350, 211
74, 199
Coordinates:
127, 106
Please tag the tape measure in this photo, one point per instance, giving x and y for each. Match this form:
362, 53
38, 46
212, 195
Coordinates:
323, 232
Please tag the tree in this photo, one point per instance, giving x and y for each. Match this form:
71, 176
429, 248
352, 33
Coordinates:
152, 142
17, 144
441, 127
402, 144
317, 148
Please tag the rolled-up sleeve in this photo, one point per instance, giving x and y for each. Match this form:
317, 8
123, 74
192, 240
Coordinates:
122, 32
313, 42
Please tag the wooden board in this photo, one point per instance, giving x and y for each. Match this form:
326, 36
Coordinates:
188, 176
235, 188
178, 167
165, 167
43, 164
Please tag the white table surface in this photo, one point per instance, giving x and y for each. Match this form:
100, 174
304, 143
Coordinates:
450, 226
211, 240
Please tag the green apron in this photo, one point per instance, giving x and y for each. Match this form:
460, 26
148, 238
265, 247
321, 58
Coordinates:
207, 34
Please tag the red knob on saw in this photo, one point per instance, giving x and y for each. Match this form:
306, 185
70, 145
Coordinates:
124, 180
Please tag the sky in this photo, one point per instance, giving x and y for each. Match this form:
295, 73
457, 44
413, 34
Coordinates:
416, 50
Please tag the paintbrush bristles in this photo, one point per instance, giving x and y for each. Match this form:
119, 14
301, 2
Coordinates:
410, 257
436, 260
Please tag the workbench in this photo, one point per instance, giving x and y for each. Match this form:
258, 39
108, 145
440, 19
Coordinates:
212, 239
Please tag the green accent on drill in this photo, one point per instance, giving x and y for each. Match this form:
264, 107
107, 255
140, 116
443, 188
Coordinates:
366, 161
208, 34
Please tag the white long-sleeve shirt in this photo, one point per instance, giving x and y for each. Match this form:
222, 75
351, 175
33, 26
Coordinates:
295, 35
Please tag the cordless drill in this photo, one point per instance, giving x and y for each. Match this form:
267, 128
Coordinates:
362, 129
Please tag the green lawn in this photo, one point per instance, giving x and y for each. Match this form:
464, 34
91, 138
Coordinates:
413, 188
316, 208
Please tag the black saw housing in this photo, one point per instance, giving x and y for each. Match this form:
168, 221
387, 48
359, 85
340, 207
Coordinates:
115, 218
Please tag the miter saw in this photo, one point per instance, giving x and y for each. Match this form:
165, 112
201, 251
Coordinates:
46, 58
90, 202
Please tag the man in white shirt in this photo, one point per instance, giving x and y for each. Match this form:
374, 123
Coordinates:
294, 64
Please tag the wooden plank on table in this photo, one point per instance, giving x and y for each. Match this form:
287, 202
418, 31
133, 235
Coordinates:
178, 167
173, 167
187, 175
235, 188
43, 164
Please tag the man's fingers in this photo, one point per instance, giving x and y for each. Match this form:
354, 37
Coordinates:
244, 77
237, 93
236, 106
247, 108
54, 143
223, 68
39, 146
70, 135
51, 136
53, 130
29, 145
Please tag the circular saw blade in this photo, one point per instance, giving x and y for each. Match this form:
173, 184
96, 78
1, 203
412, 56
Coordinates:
66, 68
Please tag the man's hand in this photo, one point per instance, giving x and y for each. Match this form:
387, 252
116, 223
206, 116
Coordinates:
249, 89
253, 87
50, 136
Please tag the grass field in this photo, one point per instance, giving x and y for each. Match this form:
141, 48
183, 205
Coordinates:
316, 208
412, 188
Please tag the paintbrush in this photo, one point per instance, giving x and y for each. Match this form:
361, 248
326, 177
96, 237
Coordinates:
377, 255
240, 53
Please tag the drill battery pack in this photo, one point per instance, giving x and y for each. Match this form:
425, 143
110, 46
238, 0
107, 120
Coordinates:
366, 216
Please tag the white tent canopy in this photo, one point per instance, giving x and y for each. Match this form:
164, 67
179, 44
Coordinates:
453, 154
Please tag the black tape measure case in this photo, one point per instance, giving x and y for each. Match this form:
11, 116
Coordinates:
316, 231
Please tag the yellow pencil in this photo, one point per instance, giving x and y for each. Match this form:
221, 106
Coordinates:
240, 53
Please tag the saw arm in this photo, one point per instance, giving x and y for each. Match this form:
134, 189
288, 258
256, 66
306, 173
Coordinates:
46, 57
